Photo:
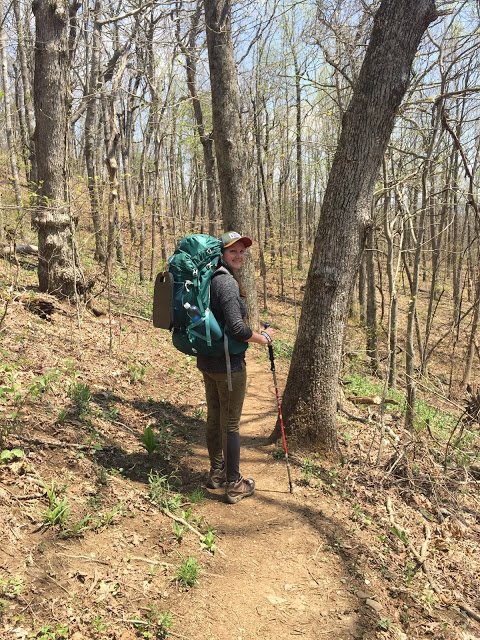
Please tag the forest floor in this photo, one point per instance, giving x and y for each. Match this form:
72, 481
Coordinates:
101, 540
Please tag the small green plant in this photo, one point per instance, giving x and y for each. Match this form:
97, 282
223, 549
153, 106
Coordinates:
162, 494
103, 478
62, 416
150, 441
179, 530
98, 623
278, 453
77, 529
41, 384
332, 474
410, 571
282, 349
10, 587
187, 515
111, 413
57, 513
208, 540
157, 625
188, 572
309, 471
51, 633
52, 494
108, 517
9, 455
81, 397
197, 496
384, 625
400, 534
173, 502
137, 372
199, 413
10, 388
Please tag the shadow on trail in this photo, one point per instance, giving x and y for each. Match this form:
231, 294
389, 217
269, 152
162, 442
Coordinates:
174, 429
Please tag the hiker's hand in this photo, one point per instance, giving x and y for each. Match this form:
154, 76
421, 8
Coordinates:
261, 338
267, 333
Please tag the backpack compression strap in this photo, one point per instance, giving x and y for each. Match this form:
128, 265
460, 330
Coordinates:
225, 339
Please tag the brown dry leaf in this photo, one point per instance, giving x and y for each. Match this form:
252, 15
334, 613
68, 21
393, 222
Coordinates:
451, 528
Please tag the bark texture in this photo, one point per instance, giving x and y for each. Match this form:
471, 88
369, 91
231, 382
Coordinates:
310, 399
227, 134
58, 269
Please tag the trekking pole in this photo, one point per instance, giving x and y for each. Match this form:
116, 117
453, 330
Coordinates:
272, 368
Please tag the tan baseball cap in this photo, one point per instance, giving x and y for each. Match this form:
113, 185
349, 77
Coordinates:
230, 237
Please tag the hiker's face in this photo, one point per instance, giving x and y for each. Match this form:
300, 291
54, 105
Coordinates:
234, 255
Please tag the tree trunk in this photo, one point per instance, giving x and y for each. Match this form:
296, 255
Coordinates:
310, 399
261, 189
362, 291
90, 141
27, 91
228, 135
58, 267
206, 139
8, 121
371, 320
126, 138
114, 243
299, 163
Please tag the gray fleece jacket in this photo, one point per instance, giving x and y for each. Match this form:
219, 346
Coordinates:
229, 309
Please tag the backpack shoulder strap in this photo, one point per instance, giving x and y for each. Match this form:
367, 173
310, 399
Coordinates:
221, 270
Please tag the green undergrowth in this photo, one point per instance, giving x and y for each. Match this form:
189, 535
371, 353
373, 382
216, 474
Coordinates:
439, 421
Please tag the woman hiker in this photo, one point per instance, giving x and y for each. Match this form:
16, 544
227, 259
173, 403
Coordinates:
224, 406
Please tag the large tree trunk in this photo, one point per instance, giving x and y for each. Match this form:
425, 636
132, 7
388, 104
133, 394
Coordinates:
310, 399
58, 268
227, 134
190, 52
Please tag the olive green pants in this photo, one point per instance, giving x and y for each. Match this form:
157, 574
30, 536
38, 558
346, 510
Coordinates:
224, 409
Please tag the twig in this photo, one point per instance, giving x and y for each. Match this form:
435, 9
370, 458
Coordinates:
58, 584
5, 310
132, 315
154, 562
186, 524
313, 577
54, 443
87, 558
351, 416
470, 612
182, 521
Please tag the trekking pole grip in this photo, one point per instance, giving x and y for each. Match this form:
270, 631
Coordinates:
270, 349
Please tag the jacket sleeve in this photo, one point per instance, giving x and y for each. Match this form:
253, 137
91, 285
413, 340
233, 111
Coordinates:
226, 298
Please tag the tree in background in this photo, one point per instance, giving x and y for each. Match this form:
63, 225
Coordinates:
59, 271
227, 133
310, 399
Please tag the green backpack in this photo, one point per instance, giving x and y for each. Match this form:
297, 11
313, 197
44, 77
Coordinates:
187, 280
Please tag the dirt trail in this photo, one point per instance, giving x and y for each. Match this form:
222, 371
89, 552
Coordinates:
275, 578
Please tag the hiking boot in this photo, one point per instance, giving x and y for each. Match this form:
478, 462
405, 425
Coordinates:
217, 478
236, 491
